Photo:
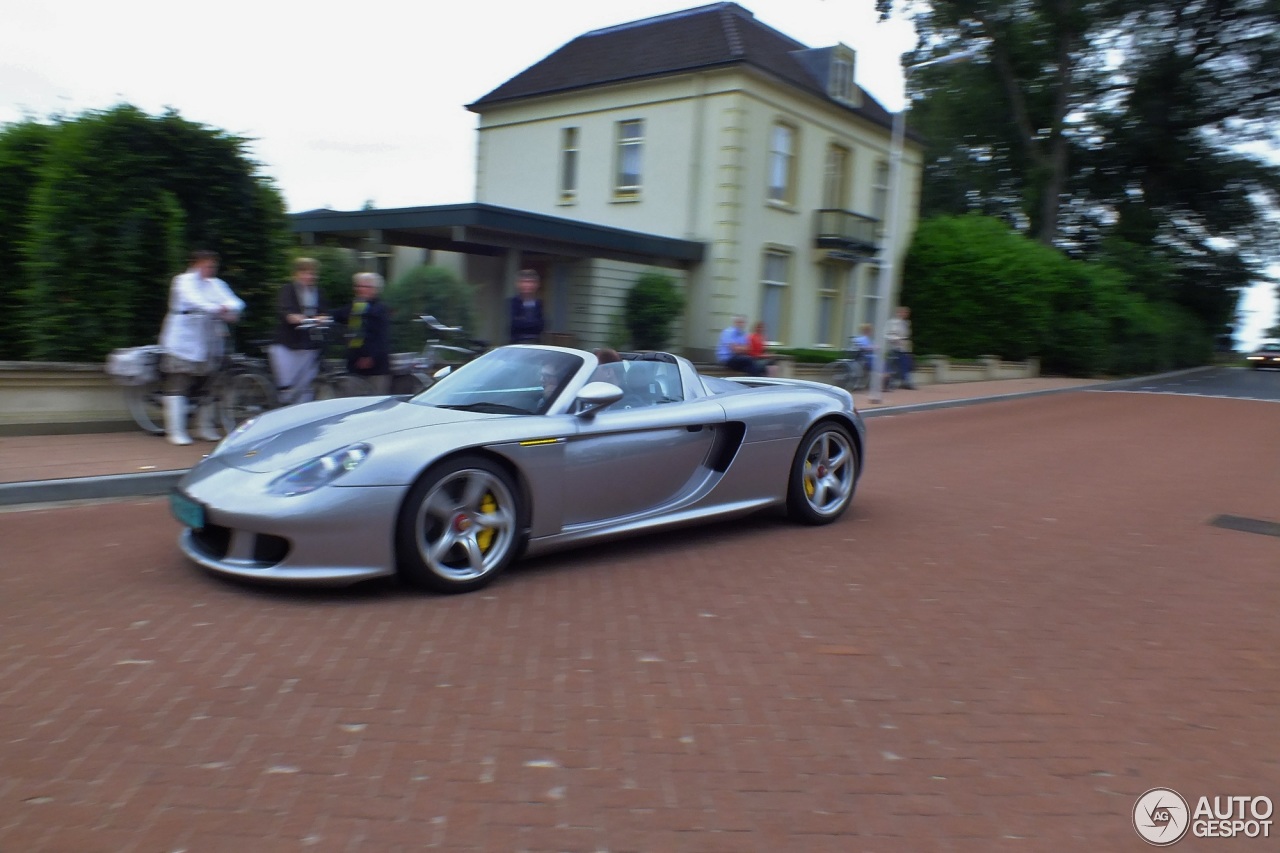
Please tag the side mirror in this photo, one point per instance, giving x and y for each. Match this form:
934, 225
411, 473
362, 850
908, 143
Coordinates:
594, 396
442, 372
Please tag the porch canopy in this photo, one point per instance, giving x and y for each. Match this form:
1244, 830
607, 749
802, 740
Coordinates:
485, 229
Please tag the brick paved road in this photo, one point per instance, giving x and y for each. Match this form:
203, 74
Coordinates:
1023, 624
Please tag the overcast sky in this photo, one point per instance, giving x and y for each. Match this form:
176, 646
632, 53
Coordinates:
356, 102
349, 102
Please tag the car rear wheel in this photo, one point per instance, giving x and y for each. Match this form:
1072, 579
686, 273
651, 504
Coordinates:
823, 475
460, 527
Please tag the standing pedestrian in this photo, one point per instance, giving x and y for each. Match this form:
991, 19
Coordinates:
192, 338
897, 337
526, 309
298, 345
368, 322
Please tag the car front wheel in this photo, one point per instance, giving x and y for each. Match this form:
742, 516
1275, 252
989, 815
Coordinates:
823, 475
460, 527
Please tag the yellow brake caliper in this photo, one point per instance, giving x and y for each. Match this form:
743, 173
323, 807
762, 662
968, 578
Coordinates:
809, 482
484, 538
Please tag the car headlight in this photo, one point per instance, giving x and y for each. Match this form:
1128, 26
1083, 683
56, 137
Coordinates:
320, 471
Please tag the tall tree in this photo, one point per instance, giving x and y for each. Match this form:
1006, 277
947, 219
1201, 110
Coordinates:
1090, 122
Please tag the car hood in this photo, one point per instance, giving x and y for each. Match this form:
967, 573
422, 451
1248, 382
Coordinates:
314, 429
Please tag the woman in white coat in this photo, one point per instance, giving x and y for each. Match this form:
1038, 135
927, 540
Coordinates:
200, 306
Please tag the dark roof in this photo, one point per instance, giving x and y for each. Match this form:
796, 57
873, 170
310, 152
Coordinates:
487, 229
721, 34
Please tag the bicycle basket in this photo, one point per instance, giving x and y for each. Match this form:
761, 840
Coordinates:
134, 365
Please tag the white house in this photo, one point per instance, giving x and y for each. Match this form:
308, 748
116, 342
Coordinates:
704, 141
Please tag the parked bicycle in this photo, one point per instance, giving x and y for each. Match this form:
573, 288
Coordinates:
252, 392
450, 347
852, 372
138, 369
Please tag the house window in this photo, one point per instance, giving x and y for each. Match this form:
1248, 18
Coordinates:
782, 163
568, 164
841, 81
835, 183
630, 146
829, 304
880, 195
773, 308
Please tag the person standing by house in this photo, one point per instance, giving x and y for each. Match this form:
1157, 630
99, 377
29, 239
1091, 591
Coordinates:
731, 351
368, 322
192, 337
897, 336
299, 339
526, 309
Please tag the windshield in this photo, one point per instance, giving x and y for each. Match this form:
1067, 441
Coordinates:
510, 381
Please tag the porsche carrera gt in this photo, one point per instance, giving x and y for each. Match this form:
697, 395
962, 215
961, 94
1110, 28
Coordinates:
525, 450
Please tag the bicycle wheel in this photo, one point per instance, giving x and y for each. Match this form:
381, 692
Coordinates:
839, 373
341, 385
860, 377
146, 405
245, 395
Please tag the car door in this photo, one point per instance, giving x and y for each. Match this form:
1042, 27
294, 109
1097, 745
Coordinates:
623, 462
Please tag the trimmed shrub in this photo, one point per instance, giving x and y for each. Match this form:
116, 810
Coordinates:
653, 305
427, 289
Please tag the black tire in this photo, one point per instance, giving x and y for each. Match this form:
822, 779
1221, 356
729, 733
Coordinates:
460, 527
408, 383
245, 395
838, 373
824, 474
146, 405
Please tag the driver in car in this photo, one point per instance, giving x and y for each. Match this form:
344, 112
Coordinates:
549, 376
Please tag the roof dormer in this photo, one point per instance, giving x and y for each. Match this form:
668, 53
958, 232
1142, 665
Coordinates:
832, 68
840, 75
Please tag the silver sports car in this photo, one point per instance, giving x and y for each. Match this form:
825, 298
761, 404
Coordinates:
524, 450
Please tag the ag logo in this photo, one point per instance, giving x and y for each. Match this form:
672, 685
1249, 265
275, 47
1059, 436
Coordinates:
1161, 816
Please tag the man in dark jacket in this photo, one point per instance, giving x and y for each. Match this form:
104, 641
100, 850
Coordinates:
526, 310
368, 322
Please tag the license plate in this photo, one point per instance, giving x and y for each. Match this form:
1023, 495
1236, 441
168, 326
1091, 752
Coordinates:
187, 511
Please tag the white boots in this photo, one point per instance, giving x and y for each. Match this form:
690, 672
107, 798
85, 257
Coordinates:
205, 430
175, 419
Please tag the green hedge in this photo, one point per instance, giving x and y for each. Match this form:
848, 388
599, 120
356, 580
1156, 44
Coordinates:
103, 211
976, 287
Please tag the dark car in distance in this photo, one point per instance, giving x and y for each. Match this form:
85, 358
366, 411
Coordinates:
1266, 355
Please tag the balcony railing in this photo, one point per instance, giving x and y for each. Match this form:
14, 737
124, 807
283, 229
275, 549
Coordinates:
845, 231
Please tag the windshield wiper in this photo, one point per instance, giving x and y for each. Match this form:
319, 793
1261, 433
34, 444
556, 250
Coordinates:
487, 408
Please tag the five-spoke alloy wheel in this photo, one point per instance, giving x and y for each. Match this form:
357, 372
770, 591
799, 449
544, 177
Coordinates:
823, 475
460, 526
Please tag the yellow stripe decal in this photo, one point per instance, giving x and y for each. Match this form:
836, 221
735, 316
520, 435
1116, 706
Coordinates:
538, 441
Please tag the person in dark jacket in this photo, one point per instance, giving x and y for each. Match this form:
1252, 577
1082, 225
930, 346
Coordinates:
298, 344
368, 322
526, 309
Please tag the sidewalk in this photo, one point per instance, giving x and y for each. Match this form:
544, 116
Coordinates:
38, 468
